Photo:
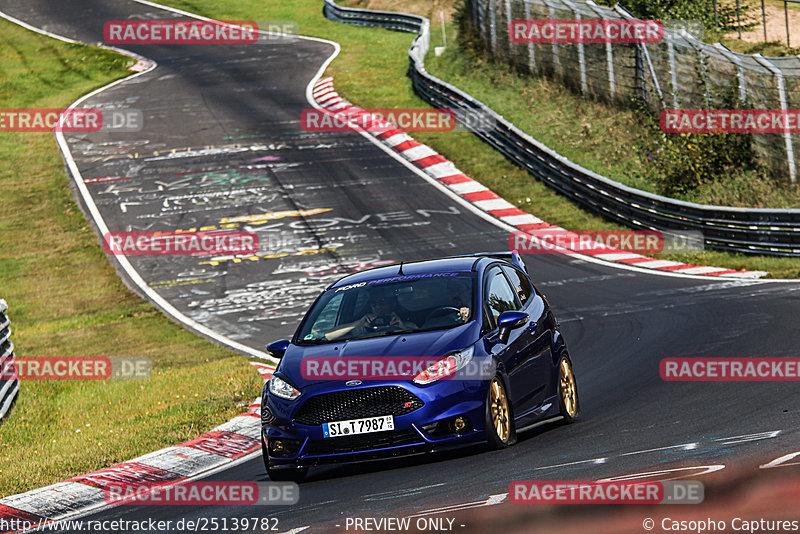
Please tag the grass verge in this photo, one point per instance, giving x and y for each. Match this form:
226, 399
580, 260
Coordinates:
66, 300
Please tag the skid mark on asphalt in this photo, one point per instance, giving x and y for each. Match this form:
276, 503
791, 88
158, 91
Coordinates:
682, 472
385, 495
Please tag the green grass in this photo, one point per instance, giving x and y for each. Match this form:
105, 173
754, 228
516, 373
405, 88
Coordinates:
66, 300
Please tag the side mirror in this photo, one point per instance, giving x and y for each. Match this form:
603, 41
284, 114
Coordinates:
508, 321
277, 349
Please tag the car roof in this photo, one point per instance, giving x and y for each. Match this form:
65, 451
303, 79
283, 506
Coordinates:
464, 264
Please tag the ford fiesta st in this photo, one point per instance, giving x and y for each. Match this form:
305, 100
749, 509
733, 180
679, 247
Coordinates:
413, 358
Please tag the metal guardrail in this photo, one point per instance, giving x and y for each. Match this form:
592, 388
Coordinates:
8, 388
754, 231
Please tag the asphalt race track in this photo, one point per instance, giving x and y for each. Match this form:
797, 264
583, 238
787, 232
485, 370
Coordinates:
222, 145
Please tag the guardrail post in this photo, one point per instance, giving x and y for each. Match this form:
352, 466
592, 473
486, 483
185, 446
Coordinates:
704, 68
492, 27
787, 134
612, 86
508, 28
531, 51
639, 81
486, 32
556, 60
673, 76
581, 51
725, 51
786, 15
643, 56
646, 56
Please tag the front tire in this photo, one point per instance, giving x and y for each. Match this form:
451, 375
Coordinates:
500, 429
568, 403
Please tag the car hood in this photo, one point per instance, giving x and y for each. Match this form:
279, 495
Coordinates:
419, 344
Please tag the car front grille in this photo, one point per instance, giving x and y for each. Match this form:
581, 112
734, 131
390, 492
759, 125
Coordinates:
366, 442
357, 404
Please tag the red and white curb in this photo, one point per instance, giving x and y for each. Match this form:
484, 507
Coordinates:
141, 64
265, 369
218, 447
443, 170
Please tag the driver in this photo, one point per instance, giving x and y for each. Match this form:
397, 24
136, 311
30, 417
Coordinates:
460, 298
383, 314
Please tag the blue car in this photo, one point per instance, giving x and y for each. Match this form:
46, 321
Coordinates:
408, 359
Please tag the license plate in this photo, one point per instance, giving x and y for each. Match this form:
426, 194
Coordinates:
358, 426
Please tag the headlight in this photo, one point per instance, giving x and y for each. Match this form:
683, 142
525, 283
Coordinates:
283, 389
445, 366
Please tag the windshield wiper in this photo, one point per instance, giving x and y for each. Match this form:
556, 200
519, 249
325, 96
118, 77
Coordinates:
315, 341
392, 333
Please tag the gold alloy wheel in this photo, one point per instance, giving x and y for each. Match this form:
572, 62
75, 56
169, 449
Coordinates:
568, 395
499, 404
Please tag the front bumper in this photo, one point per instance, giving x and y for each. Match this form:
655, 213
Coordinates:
423, 430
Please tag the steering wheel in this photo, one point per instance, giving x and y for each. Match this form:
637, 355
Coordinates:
441, 310
377, 327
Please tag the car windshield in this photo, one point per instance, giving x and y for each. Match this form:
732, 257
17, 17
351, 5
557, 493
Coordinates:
398, 304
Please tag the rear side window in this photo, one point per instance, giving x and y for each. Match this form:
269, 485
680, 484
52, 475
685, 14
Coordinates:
499, 295
521, 284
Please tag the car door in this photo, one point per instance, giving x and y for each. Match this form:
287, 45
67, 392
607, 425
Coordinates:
538, 366
516, 353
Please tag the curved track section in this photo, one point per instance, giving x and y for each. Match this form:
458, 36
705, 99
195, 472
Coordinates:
222, 144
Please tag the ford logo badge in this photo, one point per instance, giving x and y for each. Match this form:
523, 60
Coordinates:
353, 383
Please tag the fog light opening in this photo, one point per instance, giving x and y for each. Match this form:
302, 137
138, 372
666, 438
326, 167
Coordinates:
452, 425
459, 424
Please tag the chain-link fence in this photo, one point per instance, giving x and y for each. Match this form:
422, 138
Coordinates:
680, 71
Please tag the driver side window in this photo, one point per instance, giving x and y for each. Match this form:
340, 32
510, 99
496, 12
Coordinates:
499, 295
